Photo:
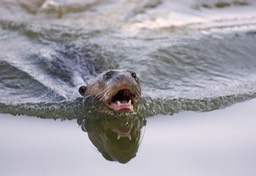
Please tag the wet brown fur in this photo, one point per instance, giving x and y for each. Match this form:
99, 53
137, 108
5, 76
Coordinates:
108, 83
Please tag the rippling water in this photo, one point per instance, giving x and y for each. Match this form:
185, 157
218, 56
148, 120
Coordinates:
188, 51
190, 55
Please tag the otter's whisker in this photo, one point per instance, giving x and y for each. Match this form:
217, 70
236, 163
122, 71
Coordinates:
109, 90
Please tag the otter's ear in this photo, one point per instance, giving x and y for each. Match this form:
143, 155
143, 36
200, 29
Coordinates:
82, 90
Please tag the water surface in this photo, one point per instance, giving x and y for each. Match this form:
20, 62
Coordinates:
190, 55
220, 142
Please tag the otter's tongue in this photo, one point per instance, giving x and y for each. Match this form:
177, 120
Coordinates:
122, 105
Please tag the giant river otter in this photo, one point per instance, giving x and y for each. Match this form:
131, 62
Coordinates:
118, 90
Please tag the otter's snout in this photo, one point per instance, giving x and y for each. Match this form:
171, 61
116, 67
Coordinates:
121, 77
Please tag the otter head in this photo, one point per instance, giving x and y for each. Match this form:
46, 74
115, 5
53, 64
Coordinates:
119, 90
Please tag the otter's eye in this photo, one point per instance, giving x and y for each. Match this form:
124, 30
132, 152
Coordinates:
107, 76
134, 75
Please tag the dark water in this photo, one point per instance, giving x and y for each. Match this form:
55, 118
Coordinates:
189, 55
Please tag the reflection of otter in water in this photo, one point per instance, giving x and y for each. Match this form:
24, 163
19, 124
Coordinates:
116, 138
118, 90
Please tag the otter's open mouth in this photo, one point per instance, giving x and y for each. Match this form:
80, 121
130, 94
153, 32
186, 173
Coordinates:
123, 100
123, 133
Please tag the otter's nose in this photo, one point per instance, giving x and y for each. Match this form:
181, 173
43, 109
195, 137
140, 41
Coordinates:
120, 77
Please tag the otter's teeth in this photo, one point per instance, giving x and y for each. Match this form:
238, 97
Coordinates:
118, 103
130, 102
129, 137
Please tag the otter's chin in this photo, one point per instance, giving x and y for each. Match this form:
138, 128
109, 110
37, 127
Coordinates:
122, 101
